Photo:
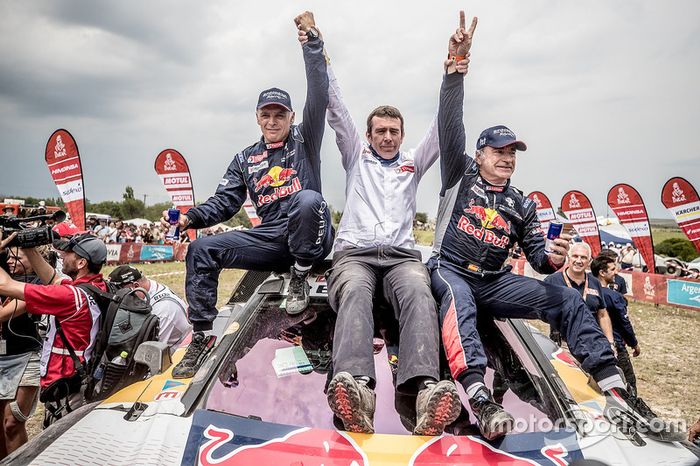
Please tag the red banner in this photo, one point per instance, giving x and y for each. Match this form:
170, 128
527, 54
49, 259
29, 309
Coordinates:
629, 207
63, 160
681, 199
545, 211
579, 211
174, 173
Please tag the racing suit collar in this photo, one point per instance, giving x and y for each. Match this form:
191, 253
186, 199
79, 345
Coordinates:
494, 187
274, 145
383, 161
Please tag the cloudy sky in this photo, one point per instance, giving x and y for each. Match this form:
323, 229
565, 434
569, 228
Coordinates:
602, 92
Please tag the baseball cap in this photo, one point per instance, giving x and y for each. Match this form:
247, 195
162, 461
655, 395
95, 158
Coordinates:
65, 229
86, 246
497, 137
274, 96
123, 275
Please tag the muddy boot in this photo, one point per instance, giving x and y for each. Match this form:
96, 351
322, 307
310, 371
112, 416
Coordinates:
353, 402
437, 405
298, 294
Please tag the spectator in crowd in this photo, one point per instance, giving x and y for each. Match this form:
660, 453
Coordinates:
71, 312
574, 275
627, 257
169, 307
19, 360
618, 284
604, 269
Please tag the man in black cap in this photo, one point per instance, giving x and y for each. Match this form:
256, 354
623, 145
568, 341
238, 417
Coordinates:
69, 307
170, 308
480, 217
282, 174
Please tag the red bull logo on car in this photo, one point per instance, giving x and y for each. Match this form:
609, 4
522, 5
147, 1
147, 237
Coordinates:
275, 178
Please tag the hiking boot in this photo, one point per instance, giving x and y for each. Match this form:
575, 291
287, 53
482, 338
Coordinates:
494, 421
352, 402
437, 405
631, 412
298, 293
194, 356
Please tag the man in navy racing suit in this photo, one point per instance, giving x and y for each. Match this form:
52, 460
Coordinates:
282, 174
480, 216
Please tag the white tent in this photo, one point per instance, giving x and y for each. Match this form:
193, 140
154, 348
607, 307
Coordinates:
138, 222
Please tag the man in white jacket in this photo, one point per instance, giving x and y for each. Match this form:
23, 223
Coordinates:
374, 248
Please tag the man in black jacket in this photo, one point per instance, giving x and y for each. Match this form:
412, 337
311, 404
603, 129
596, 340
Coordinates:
480, 216
282, 174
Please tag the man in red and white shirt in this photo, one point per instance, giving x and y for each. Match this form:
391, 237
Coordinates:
66, 304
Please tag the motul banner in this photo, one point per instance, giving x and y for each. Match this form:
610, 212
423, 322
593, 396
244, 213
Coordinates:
545, 212
63, 160
174, 173
681, 199
579, 211
629, 207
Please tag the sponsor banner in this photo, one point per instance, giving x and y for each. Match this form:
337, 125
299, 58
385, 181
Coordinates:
173, 171
130, 252
649, 287
629, 208
579, 211
150, 252
683, 293
545, 212
63, 160
113, 251
681, 199
250, 212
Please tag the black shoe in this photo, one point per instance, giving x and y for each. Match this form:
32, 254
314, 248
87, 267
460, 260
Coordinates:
194, 356
494, 421
298, 293
632, 413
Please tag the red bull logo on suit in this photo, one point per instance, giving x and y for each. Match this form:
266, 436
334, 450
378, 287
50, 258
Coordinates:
275, 178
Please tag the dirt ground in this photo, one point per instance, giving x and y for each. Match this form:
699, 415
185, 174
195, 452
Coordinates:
668, 370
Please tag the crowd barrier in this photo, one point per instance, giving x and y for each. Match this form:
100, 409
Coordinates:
648, 287
127, 253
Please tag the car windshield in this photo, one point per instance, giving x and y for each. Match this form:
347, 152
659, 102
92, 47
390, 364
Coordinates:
277, 370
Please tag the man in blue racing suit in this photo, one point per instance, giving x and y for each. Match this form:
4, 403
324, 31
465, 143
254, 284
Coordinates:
480, 216
282, 174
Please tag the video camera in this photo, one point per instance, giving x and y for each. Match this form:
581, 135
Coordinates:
29, 237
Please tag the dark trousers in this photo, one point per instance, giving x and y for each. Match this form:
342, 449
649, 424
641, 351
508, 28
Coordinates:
624, 362
505, 295
405, 283
305, 236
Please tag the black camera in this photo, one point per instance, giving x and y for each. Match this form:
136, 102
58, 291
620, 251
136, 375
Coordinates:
29, 237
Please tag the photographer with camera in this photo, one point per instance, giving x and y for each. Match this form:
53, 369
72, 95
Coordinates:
19, 358
73, 315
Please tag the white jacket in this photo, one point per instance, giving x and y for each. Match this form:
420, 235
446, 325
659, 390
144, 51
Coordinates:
380, 201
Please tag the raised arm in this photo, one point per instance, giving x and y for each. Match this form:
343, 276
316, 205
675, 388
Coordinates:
316, 85
451, 134
347, 137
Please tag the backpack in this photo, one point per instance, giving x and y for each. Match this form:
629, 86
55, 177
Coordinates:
126, 322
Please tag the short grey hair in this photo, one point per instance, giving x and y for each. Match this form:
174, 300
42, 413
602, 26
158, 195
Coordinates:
584, 245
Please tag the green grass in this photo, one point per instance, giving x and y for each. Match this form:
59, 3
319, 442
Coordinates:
662, 234
424, 237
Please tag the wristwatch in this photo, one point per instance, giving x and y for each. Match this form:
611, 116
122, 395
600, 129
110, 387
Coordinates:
312, 33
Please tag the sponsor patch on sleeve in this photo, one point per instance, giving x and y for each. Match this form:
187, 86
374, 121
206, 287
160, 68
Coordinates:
223, 182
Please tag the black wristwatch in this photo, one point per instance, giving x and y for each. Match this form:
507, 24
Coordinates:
312, 33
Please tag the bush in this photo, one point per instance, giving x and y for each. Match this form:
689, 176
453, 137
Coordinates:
677, 247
